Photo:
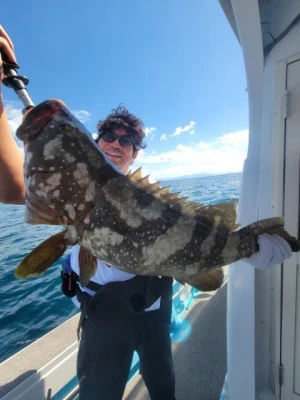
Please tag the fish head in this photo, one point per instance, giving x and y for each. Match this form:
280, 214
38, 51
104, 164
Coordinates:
61, 160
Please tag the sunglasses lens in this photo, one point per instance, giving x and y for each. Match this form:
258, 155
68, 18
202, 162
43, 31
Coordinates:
109, 136
124, 140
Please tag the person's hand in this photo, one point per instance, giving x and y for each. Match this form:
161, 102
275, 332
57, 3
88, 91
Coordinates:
6, 47
273, 249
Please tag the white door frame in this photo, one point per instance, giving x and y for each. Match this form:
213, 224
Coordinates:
282, 283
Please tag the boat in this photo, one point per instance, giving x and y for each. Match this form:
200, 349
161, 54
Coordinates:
263, 310
263, 307
46, 369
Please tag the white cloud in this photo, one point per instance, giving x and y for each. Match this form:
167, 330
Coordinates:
14, 114
188, 128
82, 115
222, 155
150, 132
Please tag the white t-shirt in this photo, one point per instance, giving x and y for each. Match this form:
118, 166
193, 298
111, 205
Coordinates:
103, 275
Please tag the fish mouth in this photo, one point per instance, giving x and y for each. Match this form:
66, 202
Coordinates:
37, 120
32, 173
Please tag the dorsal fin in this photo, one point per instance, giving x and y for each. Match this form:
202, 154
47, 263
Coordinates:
144, 182
135, 175
222, 213
164, 190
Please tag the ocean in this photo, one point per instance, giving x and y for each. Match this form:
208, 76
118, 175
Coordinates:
31, 308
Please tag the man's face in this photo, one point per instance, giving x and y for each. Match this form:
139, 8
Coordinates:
121, 156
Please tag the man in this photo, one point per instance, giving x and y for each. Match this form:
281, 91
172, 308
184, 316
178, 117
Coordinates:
111, 331
139, 319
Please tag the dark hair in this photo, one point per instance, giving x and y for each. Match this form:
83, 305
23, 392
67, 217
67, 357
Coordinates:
120, 117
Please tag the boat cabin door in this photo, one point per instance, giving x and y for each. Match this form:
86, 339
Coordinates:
290, 300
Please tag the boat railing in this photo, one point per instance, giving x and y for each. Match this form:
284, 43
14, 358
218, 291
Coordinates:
57, 379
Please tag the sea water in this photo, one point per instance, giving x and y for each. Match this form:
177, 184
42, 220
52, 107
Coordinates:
31, 308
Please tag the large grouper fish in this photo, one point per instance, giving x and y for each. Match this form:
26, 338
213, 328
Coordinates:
125, 220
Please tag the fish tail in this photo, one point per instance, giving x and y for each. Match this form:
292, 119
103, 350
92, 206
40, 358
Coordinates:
42, 257
275, 226
272, 226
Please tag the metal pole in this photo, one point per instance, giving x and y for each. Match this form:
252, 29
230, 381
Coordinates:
17, 82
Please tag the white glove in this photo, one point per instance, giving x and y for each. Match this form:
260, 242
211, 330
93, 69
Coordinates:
273, 249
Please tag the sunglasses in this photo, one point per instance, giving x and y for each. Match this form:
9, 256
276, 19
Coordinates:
109, 137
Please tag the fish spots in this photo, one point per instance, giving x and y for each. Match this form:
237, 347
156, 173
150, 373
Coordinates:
108, 236
51, 183
83, 180
124, 204
41, 193
72, 233
30, 181
176, 238
87, 219
70, 159
129, 207
88, 241
54, 180
71, 211
52, 148
90, 192
211, 240
231, 249
153, 211
191, 269
102, 240
81, 174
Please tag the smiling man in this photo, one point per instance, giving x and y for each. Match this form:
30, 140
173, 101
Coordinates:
120, 137
138, 315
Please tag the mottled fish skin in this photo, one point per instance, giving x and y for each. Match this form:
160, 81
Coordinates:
124, 220
60, 171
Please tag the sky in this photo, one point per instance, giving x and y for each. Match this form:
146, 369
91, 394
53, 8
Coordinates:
175, 64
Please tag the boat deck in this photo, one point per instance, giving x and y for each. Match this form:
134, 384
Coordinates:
199, 361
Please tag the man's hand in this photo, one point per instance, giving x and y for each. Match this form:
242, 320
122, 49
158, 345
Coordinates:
273, 249
6, 47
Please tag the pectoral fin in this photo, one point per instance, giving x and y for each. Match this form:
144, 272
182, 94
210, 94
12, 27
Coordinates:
42, 257
87, 265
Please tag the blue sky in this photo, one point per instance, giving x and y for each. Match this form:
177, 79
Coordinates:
175, 64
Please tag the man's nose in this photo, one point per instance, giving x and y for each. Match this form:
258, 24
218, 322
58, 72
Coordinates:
116, 144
